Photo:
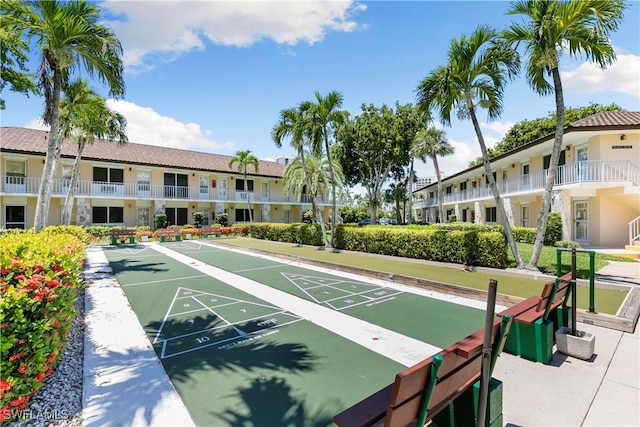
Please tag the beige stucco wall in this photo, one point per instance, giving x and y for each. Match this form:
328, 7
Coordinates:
601, 147
608, 206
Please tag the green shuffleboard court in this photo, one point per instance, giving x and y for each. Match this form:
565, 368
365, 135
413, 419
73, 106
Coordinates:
236, 359
430, 320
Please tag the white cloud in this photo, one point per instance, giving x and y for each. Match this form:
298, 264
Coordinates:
449, 165
164, 30
499, 128
622, 76
147, 126
37, 124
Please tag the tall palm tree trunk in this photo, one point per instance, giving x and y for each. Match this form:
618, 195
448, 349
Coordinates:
410, 202
551, 176
246, 191
68, 201
440, 193
334, 203
51, 160
494, 188
314, 200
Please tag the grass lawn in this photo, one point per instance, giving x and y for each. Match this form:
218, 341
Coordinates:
547, 261
607, 301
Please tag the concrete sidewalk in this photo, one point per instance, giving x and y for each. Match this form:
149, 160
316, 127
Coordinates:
125, 384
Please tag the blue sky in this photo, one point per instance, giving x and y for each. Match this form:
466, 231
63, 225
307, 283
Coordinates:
213, 76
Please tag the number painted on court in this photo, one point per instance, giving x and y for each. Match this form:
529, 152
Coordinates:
203, 340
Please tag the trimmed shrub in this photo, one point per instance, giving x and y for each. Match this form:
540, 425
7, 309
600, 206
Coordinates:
222, 219
306, 234
569, 244
524, 234
472, 246
39, 276
160, 220
553, 232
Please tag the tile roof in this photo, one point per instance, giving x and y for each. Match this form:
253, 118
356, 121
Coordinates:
609, 119
35, 142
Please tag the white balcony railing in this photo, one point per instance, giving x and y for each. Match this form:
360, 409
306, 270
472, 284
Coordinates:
30, 186
592, 171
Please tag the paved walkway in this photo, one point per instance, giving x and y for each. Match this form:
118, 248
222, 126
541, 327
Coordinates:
125, 384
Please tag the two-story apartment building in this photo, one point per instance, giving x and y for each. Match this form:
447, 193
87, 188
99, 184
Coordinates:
597, 188
128, 184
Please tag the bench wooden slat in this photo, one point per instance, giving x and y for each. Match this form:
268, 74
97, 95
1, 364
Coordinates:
445, 390
366, 412
521, 307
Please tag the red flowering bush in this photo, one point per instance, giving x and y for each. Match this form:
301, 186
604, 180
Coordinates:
39, 276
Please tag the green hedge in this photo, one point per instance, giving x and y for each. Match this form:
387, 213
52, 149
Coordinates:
305, 234
471, 246
39, 276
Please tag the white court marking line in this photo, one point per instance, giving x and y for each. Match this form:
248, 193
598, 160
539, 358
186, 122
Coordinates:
227, 340
393, 345
454, 299
155, 340
214, 328
347, 294
276, 311
257, 268
151, 282
370, 302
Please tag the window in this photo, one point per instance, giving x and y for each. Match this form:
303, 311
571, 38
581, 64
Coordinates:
16, 172
144, 183
240, 185
448, 189
108, 175
108, 215
463, 186
525, 215
242, 215
14, 216
205, 211
287, 217
526, 183
490, 214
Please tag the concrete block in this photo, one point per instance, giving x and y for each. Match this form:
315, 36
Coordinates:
580, 346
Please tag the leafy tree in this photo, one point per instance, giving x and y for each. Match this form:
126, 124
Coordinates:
432, 142
375, 144
396, 195
69, 36
477, 71
84, 116
528, 131
13, 71
244, 160
222, 219
312, 176
552, 28
294, 125
325, 117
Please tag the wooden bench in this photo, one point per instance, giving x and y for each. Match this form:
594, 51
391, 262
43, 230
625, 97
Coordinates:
121, 234
174, 233
209, 231
422, 391
536, 319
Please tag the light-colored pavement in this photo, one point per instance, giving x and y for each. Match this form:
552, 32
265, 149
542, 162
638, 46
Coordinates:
125, 384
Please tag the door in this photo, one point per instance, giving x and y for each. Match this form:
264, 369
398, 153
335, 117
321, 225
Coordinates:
223, 189
526, 182
203, 192
582, 158
581, 231
525, 215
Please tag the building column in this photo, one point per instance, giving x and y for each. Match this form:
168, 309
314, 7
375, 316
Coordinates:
456, 212
83, 211
477, 207
561, 203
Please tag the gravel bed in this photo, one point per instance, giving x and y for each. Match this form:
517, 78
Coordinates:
59, 401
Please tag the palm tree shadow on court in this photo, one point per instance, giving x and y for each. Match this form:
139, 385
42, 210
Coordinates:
255, 352
122, 265
270, 403
254, 348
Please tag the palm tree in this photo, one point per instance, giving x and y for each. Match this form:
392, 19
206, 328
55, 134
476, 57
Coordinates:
432, 142
313, 174
477, 71
244, 160
577, 27
84, 116
325, 118
293, 125
69, 36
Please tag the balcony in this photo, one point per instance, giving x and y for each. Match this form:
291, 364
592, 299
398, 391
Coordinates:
587, 172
